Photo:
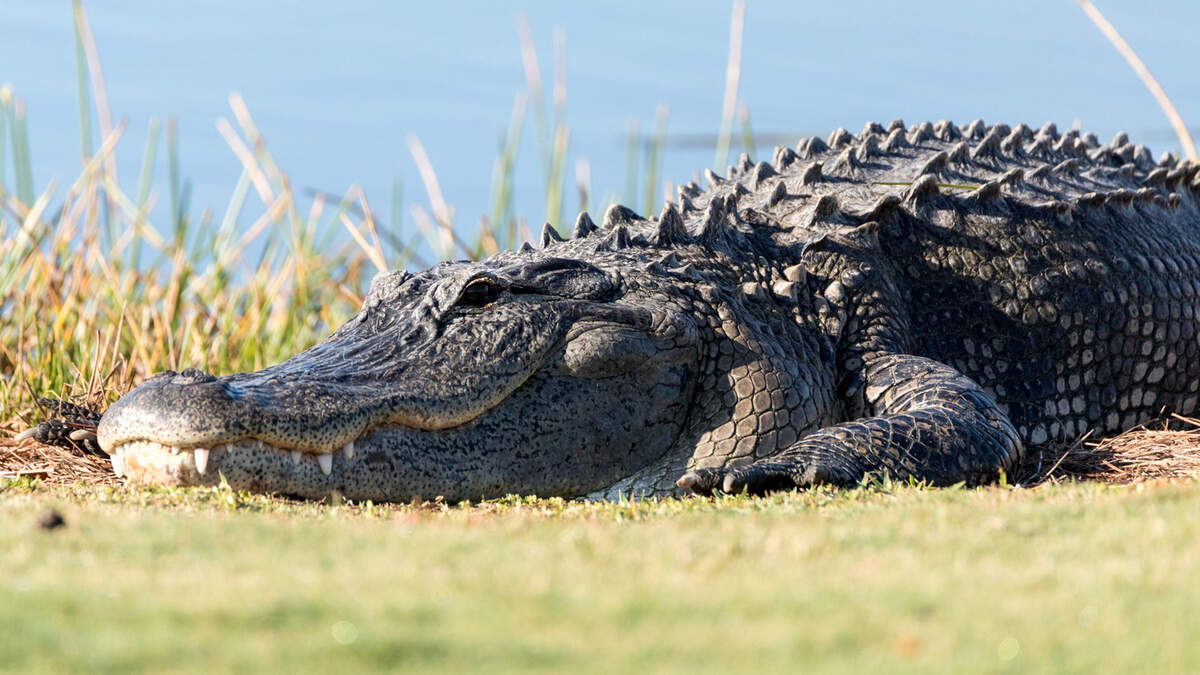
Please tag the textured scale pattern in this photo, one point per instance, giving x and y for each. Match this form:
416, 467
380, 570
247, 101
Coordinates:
1060, 274
926, 301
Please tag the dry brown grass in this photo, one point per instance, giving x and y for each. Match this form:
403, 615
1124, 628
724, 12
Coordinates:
52, 465
1166, 451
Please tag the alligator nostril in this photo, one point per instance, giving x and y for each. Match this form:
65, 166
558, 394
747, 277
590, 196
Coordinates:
193, 376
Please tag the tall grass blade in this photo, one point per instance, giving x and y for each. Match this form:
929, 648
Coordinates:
654, 157
369, 250
1131, 57
249, 160
733, 72
145, 176
533, 83
503, 170
99, 91
554, 182
442, 212
583, 181
632, 150
237, 202
5, 126
562, 133
81, 81
242, 114
395, 222
177, 224
747, 132
22, 162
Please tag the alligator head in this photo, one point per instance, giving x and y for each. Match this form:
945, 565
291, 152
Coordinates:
532, 372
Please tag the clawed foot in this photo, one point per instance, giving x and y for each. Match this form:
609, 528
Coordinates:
755, 479
74, 428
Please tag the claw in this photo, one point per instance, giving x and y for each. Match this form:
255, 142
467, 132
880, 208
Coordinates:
729, 485
28, 433
688, 480
82, 435
760, 478
701, 481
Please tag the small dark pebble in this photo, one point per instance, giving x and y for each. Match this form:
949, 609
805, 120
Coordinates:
51, 520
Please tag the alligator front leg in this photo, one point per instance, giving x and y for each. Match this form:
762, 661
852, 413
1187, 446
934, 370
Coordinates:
928, 421
74, 427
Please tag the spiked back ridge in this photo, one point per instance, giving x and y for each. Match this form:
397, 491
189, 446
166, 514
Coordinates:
848, 181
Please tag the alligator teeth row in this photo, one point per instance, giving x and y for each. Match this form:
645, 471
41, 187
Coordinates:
200, 455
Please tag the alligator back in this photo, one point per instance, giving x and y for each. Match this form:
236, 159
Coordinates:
1061, 275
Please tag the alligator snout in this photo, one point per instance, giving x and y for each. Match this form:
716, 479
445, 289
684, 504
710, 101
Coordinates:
173, 409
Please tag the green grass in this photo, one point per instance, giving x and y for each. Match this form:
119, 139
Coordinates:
1072, 578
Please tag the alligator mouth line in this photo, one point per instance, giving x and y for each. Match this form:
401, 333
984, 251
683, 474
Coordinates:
323, 458
200, 455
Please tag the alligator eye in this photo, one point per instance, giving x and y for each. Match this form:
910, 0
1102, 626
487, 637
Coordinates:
478, 293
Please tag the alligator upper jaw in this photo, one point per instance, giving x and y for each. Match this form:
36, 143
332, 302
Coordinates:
330, 395
297, 416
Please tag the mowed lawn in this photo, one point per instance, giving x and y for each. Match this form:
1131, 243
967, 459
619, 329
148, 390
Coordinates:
1071, 578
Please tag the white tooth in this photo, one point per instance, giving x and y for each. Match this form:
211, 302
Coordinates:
175, 449
296, 457
201, 459
259, 444
348, 450
118, 462
326, 462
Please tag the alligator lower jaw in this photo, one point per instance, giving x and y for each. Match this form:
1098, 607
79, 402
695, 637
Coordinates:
152, 462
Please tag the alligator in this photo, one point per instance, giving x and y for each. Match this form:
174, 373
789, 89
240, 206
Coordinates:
926, 302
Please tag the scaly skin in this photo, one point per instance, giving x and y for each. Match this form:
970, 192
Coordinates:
926, 302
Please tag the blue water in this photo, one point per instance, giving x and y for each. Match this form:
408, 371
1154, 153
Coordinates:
337, 87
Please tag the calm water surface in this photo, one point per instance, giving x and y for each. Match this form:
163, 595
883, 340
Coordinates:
337, 87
